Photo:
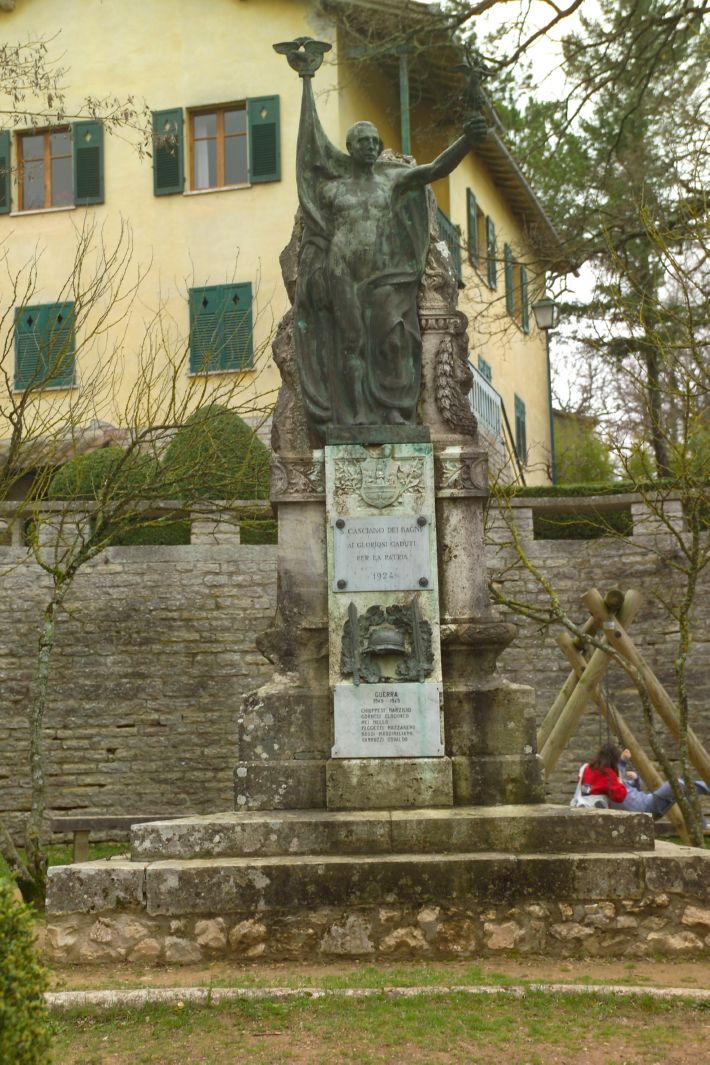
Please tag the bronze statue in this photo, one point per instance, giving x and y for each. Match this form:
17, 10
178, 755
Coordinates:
362, 257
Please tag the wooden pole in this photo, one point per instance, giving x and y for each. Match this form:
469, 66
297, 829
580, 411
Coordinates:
613, 600
619, 639
645, 766
596, 668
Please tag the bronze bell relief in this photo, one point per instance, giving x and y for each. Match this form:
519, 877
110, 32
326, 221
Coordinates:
386, 640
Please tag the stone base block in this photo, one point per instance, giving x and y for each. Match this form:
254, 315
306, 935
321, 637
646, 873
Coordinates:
282, 721
506, 829
385, 906
388, 783
497, 720
497, 779
285, 785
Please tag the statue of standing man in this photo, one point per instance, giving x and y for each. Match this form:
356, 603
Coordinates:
362, 257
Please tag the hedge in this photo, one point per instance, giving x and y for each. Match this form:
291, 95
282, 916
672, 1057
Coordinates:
613, 488
24, 1023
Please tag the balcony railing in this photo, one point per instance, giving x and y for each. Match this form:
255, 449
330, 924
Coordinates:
486, 404
451, 235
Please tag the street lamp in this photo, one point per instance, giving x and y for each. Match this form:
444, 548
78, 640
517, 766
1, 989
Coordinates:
547, 315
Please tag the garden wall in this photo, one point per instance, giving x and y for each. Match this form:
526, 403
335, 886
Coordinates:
158, 646
151, 660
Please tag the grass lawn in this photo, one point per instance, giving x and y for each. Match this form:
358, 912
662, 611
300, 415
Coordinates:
539, 1029
60, 854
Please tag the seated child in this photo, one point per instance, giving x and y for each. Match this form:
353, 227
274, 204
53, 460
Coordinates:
602, 778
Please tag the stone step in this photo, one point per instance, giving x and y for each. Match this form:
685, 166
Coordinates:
508, 829
257, 885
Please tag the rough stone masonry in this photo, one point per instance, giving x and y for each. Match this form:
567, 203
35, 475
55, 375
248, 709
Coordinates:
168, 635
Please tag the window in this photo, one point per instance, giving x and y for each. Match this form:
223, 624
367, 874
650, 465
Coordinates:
516, 290
59, 167
476, 230
219, 147
485, 369
491, 265
524, 300
45, 169
521, 442
44, 346
451, 236
229, 145
221, 330
509, 279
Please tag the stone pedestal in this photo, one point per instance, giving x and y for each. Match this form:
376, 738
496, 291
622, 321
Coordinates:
315, 885
334, 853
383, 593
285, 730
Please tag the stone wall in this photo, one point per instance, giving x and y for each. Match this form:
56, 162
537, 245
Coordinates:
151, 658
636, 904
643, 562
158, 646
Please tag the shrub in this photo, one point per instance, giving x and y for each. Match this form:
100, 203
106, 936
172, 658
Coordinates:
160, 534
582, 526
24, 1022
216, 455
117, 482
104, 474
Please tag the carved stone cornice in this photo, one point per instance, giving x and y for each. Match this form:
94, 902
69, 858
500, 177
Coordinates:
460, 472
440, 320
298, 478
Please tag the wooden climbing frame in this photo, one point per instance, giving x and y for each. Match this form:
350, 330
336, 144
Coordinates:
612, 616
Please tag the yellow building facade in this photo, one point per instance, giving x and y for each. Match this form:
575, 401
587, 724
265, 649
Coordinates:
198, 204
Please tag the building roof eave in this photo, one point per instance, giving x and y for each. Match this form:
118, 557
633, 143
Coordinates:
437, 54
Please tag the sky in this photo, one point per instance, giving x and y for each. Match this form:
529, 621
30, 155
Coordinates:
548, 74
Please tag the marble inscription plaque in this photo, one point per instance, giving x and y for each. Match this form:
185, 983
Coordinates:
387, 721
376, 553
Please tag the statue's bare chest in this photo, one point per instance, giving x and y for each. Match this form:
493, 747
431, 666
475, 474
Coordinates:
357, 199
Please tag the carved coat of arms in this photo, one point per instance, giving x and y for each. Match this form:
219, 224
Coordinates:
379, 480
381, 483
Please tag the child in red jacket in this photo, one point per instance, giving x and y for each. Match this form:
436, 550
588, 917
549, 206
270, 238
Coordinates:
602, 777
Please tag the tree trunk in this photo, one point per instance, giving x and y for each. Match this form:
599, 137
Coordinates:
36, 859
655, 411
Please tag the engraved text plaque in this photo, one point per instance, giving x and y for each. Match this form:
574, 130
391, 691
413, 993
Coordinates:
387, 721
376, 553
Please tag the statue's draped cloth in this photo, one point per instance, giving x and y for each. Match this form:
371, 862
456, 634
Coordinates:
356, 330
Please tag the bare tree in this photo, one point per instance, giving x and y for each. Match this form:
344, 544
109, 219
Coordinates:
145, 406
33, 94
676, 507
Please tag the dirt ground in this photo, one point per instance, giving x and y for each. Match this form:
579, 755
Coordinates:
642, 972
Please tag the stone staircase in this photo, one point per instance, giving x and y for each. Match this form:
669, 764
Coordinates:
435, 882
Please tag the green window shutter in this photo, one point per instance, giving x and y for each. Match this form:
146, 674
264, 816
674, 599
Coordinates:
44, 346
524, 301
27, 354
59, 344
509, 293
221, 326
485, 369
264, 139
5, 172
88, 141
205, 334
168, 152
521, 443
471, 214
492, 268
237, 327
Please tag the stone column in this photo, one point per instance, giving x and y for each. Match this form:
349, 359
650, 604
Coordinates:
60, 533
284, 728
219, 529
489, 723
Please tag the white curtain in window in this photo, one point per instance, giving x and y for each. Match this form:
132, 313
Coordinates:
202, 165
